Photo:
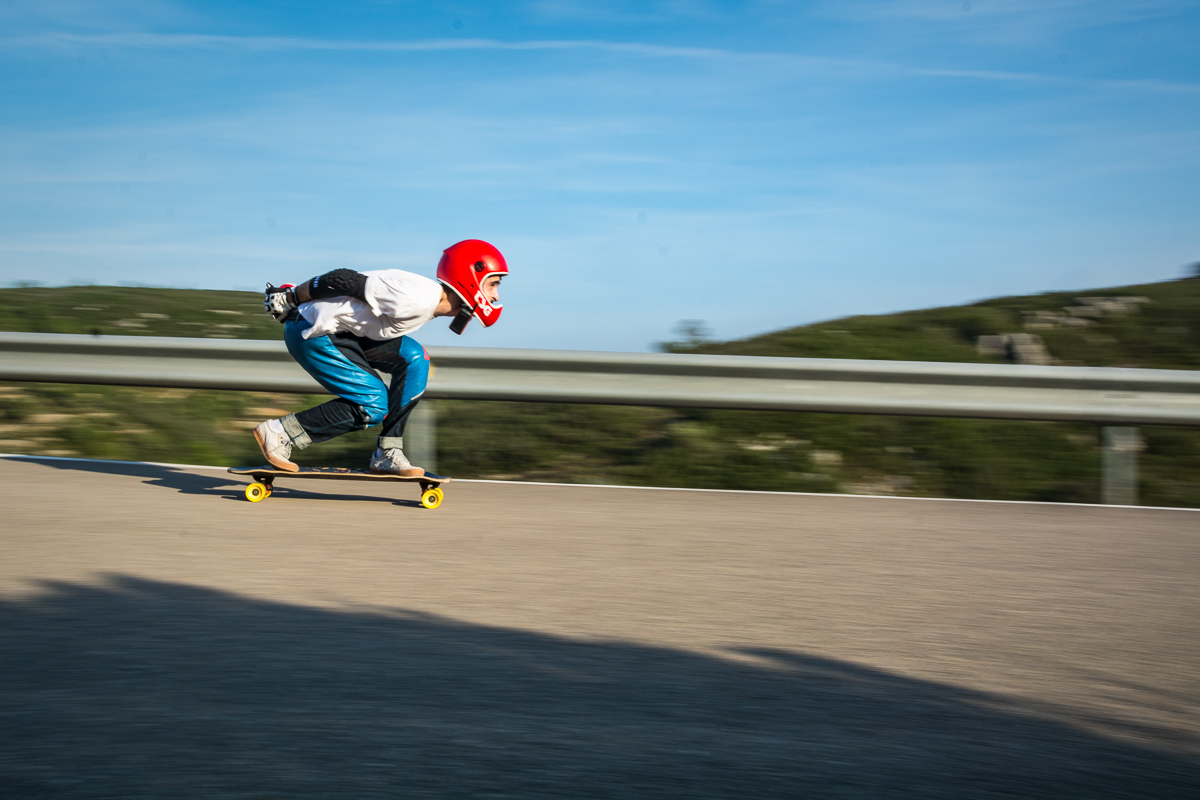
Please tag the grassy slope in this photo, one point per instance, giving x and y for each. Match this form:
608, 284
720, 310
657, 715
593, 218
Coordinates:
1002, 460
111, 310
778, 451
1164, 334
132, 423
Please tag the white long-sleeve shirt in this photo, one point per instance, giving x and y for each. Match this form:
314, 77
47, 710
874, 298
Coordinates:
398, 303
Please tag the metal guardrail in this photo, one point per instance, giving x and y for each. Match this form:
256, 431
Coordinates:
1114, 397
995, 391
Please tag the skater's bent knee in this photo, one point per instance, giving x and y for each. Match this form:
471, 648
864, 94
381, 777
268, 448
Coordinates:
373, 414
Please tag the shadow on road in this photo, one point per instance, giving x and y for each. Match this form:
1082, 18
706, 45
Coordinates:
214, 483
145, 689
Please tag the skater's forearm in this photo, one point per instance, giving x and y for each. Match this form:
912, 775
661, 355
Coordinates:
338, 283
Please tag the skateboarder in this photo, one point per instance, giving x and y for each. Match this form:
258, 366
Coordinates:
343, 325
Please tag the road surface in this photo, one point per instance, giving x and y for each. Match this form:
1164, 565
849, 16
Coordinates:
160, 636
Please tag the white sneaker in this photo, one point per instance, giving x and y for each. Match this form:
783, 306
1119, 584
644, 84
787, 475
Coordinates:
393, 462
276, 445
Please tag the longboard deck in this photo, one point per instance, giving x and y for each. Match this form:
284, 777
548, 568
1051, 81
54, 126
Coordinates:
337, 474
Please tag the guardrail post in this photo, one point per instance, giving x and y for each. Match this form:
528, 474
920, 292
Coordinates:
1121, 447
420, 436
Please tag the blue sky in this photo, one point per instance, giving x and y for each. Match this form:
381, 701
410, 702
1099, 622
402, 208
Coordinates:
756, 165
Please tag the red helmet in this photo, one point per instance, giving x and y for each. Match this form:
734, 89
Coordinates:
463, 268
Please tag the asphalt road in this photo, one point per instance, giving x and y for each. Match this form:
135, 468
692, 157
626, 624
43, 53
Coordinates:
160, 636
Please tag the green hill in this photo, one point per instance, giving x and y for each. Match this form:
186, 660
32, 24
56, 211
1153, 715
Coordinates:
1153, 325
1149, 325
136, 311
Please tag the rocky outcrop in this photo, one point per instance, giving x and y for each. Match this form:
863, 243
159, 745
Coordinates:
1019, 348
1083, 312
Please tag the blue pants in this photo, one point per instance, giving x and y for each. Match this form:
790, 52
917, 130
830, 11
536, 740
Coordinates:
345, 365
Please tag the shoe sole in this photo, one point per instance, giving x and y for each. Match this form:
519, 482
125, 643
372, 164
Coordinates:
282, 464
411, 473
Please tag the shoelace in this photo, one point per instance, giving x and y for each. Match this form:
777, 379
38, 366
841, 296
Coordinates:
396, 457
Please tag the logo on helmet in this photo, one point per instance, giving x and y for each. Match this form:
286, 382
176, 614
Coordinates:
482, 305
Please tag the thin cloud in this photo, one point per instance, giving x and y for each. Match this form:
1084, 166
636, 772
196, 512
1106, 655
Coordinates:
132, 242
284, 44
1021, 24
1050, 13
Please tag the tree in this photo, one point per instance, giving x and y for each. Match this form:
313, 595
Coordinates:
693, 333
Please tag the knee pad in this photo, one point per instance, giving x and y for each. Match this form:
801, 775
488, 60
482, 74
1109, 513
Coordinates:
373, 413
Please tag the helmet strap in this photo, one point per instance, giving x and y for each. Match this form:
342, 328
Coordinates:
461, 319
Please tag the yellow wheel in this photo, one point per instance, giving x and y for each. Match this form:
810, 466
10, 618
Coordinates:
256, 492
441, 495
431, 498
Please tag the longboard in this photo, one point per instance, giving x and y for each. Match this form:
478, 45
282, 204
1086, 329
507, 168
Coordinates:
265, 477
